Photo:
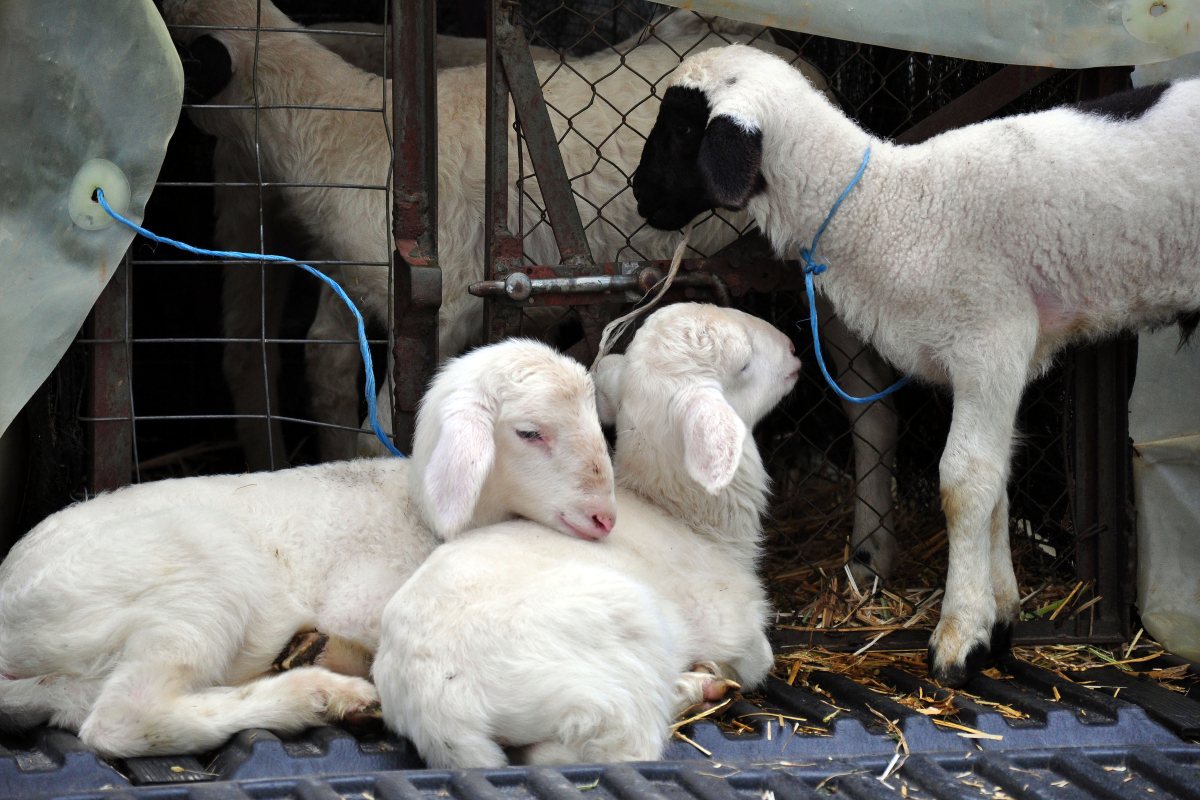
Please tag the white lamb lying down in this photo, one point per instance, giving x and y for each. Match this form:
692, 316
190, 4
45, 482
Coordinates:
147, 620
568, 651
969, 260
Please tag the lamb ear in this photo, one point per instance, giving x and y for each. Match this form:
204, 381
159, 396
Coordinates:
730, 162
607, 377
461, 461
712, 434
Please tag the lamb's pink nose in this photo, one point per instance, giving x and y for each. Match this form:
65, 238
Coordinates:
602, 521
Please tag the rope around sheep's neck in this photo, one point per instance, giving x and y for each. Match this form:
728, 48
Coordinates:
372, 412
813, 267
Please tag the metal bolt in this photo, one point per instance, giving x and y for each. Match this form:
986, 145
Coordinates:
648, 278
518, 286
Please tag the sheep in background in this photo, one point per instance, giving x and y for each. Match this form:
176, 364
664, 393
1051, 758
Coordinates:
247, 313
367, 52
148, 619
585, 653
968, 260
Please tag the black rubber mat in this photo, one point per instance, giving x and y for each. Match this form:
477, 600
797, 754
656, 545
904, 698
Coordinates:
1073, 742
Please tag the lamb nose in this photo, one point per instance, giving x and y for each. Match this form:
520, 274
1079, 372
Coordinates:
603, 521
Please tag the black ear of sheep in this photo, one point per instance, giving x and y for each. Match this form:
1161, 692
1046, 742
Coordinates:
730, 161
207, 69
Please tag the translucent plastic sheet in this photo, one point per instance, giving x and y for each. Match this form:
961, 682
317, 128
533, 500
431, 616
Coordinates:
1164, 421
80, 82
1071, 34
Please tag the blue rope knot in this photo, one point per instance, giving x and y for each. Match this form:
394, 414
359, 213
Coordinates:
372, 412
813, 267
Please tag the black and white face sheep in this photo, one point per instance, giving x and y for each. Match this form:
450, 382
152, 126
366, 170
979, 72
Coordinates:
147, 620
967, 261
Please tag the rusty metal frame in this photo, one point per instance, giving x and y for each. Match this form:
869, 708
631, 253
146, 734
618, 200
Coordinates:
110, 438
418, 285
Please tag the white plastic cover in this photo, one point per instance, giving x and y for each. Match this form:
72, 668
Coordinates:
78, 82
1164, 421
1057, 33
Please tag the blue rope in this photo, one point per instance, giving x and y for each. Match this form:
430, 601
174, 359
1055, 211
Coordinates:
813, 267
372, 412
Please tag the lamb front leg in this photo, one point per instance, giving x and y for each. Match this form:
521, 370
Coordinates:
862, 371
974, 472
702, 687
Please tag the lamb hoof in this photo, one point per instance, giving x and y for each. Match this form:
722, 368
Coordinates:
955, 675
1001, 640
874, 558
302, 651
707, 687
366, 719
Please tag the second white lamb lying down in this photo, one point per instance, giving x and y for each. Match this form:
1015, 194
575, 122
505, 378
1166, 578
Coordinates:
147, 620
566, 651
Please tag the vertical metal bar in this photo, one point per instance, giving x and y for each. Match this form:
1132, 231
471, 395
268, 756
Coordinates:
110, 443
1102, 471
534, 115
1101, 503
418, 285
503, 249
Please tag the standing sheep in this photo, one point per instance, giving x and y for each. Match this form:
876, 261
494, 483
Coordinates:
967, 261
148, 619
585, 653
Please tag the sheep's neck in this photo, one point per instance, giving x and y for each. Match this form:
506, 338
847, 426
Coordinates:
732, 518
811, 153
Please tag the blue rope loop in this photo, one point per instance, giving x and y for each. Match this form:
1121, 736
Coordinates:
372, 411
813, 267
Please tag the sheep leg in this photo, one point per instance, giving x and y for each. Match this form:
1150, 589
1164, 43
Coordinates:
974, 472
701, 688
243, 362
861, 371
154, 708
1004, 581
332, 372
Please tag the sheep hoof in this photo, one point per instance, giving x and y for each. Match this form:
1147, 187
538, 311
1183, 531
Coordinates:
1001, 640
367, 719
302, 651
704, 687
956, 675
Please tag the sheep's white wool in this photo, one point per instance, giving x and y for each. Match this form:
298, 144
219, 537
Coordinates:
971, 259
145, 619
573, 651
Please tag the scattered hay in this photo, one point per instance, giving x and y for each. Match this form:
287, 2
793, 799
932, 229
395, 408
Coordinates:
812, 588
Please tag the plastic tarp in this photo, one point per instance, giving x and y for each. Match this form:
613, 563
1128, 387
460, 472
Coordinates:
1071, 34
82, 82
1164, 421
